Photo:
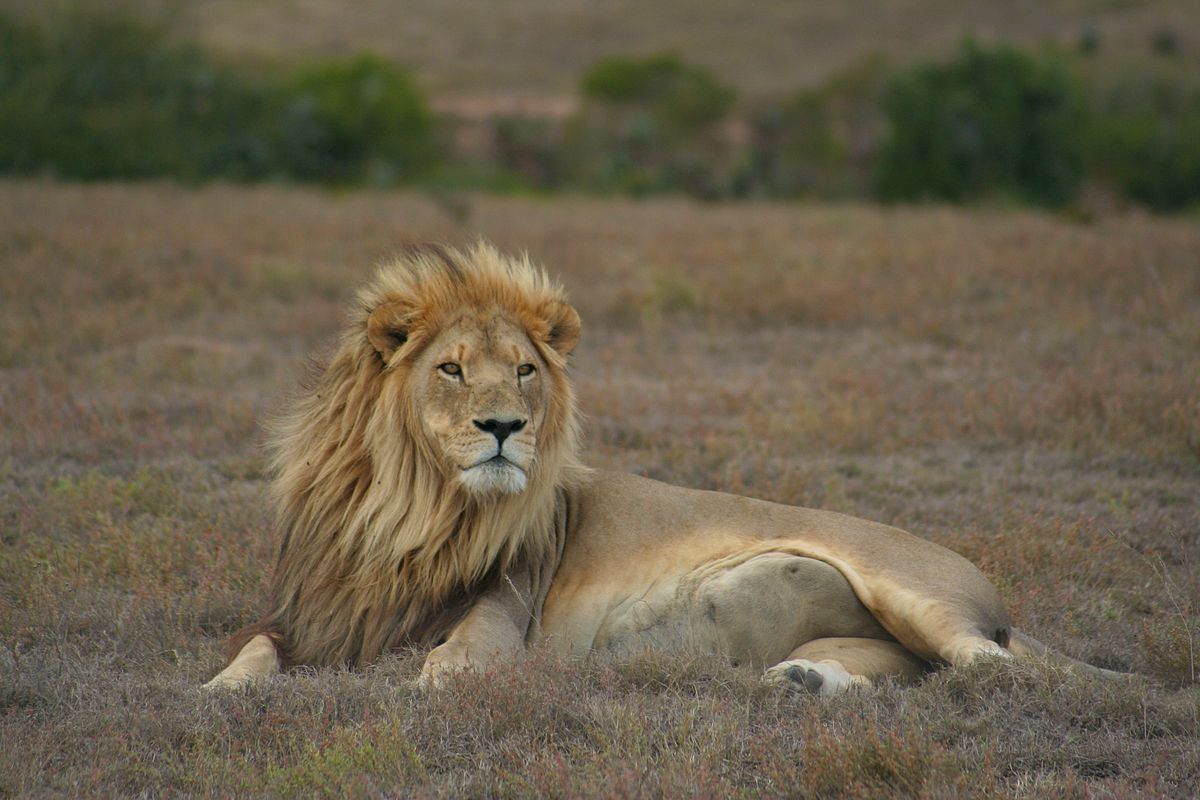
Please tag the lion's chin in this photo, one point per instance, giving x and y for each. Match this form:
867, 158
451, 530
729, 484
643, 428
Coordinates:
498, 476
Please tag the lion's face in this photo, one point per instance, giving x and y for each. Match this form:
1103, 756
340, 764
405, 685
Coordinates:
480, 391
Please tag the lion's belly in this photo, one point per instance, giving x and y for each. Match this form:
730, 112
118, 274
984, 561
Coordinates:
753, 612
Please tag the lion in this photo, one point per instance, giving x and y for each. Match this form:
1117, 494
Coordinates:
430, 494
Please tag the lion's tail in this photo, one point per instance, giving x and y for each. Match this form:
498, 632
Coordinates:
1024, 646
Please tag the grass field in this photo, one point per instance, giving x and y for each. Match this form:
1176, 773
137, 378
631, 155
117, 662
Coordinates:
1021, 388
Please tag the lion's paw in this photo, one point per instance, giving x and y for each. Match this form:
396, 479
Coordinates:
965, 650
258, 659
442, 662
813, 677
431, 680
228, 681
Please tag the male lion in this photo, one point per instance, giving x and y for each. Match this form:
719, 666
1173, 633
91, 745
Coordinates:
429, 494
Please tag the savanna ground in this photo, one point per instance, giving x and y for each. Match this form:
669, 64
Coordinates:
1023, 389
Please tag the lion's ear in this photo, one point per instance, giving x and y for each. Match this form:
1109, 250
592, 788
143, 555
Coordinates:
387, 328
564, 328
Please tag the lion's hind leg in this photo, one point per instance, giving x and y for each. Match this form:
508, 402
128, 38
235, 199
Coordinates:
835, 665
258, 658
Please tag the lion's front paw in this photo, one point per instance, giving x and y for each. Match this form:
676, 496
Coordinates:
257, 660
813, 677
229, 679
443, 661
223, 681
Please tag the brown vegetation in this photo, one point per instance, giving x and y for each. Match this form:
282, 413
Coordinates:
539, 47
469, 52
1023, 389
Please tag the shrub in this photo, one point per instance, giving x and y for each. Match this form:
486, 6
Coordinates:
1150, 158
98, 95
679, 96
1144, 138
1088, 43
359, 120
1165, 42
652, 124
994, 122
823, 141
22, 46
529, 150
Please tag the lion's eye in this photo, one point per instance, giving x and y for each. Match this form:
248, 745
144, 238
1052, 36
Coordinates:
450, 368
525, 370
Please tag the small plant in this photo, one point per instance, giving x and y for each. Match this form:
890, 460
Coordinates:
680, 96
1088, 43
360, 120
529, 150
822, 142
1144, 138
652, 124
1165, 42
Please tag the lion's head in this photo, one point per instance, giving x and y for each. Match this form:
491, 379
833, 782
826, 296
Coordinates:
427, 454
475, 346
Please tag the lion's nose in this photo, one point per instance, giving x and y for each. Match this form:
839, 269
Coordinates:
500, 428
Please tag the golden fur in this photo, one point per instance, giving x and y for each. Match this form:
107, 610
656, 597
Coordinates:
429, 494
381, 547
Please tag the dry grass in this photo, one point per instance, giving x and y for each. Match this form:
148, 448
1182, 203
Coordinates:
1023, 389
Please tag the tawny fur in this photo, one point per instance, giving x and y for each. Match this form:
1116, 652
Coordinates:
386, 544
382, 547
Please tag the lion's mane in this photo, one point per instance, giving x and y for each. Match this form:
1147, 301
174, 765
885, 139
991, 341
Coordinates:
381, 546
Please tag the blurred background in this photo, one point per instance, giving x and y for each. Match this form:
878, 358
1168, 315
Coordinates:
1082, 105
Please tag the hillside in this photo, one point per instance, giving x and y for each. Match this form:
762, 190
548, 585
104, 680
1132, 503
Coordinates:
541, 47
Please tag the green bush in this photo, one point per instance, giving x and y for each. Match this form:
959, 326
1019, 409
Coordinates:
1144, 137
95, 95
995, 122
21, 47
821, 142
1152, 159
360, 120
678, 95
651, 124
